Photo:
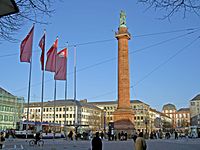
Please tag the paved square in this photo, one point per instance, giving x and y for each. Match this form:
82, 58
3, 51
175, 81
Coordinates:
61, 144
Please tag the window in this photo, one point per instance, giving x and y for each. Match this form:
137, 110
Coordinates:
10, 118
192, 103
60, 109
1, 117
57, 109
70, 116
5, 118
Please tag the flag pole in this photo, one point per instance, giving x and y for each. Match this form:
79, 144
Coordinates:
29, 87
29, 92
54, 106
75, 120
42, 96
65, 123
54, 103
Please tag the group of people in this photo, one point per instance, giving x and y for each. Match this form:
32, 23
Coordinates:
139, 142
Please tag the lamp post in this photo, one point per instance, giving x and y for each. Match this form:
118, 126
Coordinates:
146, 122
104, 120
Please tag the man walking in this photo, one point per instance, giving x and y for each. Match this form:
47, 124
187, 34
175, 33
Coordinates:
96, 142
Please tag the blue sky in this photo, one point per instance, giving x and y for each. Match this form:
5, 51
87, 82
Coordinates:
164, 73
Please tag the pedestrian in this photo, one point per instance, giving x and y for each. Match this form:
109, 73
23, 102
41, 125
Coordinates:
96, 142
140, 143
2, 139
102, 135
176, 135
70, 135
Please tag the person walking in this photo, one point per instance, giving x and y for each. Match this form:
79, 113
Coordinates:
96, 142
2, 139
176, 135
140, 143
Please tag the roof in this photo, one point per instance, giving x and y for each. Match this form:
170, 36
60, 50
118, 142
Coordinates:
184, 109
114, 102
169, 107
2, 91
197, 97
68, 102
156, 111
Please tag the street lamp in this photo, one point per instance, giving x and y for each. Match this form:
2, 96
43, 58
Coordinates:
8, 7
104, 120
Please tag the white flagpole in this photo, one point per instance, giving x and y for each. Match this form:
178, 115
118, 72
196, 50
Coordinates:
29, 92
54, 103
75, 120
65, 123
42, 97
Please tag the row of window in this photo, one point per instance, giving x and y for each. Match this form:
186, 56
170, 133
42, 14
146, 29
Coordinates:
6, 118
62, 109
7, 108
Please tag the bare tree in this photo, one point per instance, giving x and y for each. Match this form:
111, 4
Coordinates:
174, 6
29, 10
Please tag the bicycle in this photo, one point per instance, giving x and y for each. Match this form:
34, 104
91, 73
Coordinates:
33, 142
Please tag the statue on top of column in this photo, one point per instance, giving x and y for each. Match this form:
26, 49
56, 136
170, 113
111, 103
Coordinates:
122, 19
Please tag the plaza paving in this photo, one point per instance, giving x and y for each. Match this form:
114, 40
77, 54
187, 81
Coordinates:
60, 144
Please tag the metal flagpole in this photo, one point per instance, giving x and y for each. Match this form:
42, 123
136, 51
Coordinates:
29, 91
75, 120
54, 102
65, 123
54, 110
42, 97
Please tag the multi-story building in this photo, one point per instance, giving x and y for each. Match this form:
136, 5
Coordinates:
141, 111
11, 109
170, 110
77, 113
180, 118
195, 110
159, 120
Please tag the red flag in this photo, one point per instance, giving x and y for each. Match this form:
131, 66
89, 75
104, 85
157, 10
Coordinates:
26, 47
61, 61
51, 57
42, 46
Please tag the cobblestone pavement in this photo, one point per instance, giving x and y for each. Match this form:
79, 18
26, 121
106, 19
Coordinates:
61, 144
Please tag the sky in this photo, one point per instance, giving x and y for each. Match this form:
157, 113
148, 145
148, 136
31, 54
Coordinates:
163, 54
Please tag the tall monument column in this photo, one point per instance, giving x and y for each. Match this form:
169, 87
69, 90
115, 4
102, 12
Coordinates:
123, 116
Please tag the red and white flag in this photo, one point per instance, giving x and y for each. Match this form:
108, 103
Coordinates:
51, 57
42, 46
26, 47
61, 62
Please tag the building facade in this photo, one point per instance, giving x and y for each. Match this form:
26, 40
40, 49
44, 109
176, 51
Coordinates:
170, 110
180, 118
183, 118
195, 110
86, 115
11, 109
142, 119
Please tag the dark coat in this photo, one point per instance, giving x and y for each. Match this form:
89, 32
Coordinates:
140, 144
96, 143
